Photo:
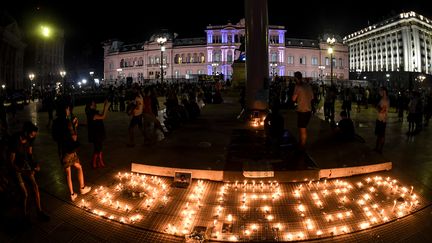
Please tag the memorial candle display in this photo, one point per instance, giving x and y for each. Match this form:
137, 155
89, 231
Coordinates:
255, 209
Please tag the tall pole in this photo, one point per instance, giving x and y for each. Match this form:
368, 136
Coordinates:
331, 68
162, 74
257, 61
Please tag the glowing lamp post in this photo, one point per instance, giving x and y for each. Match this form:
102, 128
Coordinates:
331, 42
161, 41
215, 65
45, 31
421, 78
31, 77
321, 68
63, 74
273, 66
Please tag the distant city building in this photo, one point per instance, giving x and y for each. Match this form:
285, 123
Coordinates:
11, 53
402, 43
48, 59
215, 53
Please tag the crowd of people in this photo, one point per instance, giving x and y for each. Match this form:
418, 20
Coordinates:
308, 97
183, 103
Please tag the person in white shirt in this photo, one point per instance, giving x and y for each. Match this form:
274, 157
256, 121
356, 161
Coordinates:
303, 95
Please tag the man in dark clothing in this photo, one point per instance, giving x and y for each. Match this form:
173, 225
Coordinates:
21, 157
345, 128
274, 126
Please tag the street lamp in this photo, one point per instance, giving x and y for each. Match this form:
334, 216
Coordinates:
321, 68
331, 42
45, 31
358, 73
214, 65
92, 82
31, 77
421, 78
161, 41
273, 66
63, 74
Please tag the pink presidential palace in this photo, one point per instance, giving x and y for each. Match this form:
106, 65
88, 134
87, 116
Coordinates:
214, 54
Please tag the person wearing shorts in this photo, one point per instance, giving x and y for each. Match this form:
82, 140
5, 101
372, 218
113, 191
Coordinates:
70, 158
21, 155
303, 96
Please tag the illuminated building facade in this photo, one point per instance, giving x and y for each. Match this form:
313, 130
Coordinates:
215, 53
402, 43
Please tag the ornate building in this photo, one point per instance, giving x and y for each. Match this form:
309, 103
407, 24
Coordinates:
11, 53
399, 44
214, 54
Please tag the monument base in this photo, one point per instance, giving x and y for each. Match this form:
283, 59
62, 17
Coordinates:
239, 74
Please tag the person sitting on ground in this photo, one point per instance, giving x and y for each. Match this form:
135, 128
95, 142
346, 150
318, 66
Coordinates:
344, 129
274, 126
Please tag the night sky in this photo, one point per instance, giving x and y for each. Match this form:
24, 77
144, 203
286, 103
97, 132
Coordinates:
88, 23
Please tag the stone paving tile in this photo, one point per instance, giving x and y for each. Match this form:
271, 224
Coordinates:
84, 237
65, 232
32, 235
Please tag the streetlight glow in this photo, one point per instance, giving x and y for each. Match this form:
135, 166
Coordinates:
331, 41
161, 40
45, 31
84, 81
330, 50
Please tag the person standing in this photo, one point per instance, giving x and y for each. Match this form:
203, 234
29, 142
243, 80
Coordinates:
381, 121
66, 129
96, 131
303, 95
21, 157
136, 113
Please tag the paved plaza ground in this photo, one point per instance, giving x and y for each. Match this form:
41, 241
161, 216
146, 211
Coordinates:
411, 157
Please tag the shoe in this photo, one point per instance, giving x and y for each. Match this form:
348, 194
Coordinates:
73, 197
41, 216
85, 190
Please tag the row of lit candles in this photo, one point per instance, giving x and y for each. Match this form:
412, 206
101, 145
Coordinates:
340, 187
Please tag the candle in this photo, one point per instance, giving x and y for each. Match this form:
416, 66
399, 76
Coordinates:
394, 205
